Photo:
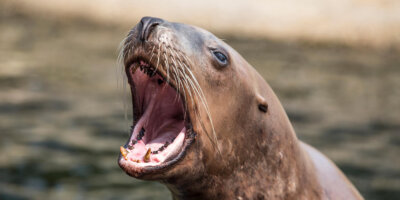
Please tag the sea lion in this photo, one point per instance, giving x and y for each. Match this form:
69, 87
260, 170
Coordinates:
208, 126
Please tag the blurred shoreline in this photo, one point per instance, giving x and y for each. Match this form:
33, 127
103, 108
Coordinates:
365, 23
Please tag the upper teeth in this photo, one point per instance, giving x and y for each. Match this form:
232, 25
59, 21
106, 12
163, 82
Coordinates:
141, 134
147, 69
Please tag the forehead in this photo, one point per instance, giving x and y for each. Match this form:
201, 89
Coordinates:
195, 36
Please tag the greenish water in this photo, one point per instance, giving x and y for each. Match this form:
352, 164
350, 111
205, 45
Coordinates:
62, 115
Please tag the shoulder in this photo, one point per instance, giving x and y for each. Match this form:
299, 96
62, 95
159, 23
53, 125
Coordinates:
332, 180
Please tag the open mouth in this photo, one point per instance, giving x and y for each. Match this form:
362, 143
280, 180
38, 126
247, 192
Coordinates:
162, 130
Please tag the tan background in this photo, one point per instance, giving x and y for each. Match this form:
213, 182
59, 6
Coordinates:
372, 22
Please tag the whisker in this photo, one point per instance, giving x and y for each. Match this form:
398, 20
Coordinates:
152, 53
204, 102
158, 56
167, 64
196, 87
178, 69
177, 74
121, 72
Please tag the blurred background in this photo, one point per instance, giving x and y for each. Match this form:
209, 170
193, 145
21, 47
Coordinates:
334, 64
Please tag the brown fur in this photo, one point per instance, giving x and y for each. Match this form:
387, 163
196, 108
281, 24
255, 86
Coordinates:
260, 156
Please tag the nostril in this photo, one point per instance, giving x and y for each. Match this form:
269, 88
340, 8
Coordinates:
147, 26
149, 30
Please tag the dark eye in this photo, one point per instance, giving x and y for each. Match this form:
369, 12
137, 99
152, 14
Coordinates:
222, 59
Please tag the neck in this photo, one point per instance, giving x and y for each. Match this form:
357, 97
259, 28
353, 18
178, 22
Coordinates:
280, 171
261, 159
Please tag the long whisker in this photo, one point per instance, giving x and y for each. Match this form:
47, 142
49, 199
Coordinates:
199, 91
177, 67
177, 74
167, 63
152, 53
189, 87
195, 85
158, 56
120, 64
183, 74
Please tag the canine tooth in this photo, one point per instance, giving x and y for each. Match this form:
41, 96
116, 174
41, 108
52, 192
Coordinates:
123, 152
146, 157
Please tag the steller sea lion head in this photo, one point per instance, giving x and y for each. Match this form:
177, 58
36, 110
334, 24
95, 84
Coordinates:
198, 106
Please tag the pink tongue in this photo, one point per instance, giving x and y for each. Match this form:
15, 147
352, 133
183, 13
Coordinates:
139, 151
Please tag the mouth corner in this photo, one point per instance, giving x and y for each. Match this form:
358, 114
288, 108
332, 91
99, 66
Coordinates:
162, 129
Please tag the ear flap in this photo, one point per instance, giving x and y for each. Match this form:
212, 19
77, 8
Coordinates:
262, 103
260, 89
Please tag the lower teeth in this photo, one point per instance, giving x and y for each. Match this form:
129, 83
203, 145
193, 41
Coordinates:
140, 136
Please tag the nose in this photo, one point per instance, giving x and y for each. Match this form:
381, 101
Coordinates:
147, 24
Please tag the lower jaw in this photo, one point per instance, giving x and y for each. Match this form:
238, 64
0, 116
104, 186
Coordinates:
143, 155
157, 171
